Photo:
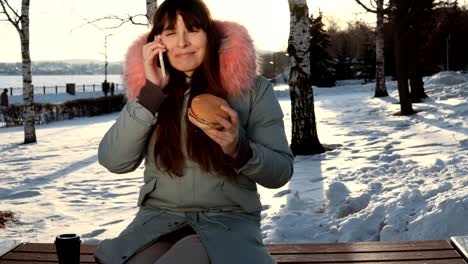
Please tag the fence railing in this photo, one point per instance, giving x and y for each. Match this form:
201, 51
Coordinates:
44, 113
55, 89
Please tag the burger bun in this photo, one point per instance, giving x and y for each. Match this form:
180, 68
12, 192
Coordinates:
204, 108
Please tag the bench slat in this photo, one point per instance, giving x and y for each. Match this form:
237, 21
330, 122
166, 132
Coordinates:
438, 261
50, 248
24, 262
359, 247
370, 256
36, 256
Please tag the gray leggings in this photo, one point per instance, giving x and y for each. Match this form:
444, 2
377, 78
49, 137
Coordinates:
186, 250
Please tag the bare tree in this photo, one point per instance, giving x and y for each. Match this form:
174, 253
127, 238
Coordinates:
380, 87
20, 21
304, 139
151, 6
106, 37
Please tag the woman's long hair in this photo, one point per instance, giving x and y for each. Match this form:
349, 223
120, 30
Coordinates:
205, 79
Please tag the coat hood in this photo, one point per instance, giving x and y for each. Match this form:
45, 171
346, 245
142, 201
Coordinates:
237, 58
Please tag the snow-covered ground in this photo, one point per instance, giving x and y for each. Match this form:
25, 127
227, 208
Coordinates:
387, 178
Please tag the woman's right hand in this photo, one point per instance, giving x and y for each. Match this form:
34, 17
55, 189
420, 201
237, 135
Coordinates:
153, 73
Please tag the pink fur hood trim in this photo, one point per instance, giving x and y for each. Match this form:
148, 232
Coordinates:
237, 57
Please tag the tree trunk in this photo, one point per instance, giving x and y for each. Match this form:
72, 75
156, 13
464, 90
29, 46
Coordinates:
400, 22
417, 88
28, 93
420, 15
151, 5
380, 87
417, 93
304, 139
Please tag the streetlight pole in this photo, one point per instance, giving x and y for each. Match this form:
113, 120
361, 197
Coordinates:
106, 63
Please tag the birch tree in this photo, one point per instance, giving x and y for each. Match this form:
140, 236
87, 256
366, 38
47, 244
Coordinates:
304, 139
151, 5
20, 21
380, 87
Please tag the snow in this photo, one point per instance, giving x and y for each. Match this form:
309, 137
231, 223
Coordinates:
446, 78
388, 177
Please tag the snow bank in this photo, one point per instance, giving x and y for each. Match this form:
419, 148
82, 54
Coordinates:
446, 78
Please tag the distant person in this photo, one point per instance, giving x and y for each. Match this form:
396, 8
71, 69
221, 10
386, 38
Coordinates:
4, 99
112, 88
105, 87
199, 202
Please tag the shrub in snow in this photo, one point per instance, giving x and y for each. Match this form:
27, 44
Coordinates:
46, 112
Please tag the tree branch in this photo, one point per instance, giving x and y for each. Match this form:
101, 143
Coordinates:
365, 7
386, 10
15, 23
121, 21
12, 10
5, 12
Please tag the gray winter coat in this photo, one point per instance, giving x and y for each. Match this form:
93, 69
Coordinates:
225, 215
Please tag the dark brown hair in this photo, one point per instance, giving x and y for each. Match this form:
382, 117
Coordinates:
205, 79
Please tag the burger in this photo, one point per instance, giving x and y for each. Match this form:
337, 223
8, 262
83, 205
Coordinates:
203, 109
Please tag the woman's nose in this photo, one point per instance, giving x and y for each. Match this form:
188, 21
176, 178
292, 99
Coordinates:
182, 40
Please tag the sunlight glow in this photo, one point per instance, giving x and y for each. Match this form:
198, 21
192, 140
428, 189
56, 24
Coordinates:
56, 33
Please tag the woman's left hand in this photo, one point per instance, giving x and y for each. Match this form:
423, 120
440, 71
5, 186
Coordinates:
228, 136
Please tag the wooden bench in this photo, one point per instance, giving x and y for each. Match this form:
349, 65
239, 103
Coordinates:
393, 252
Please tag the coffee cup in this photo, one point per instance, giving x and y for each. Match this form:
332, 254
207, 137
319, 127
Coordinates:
68, 248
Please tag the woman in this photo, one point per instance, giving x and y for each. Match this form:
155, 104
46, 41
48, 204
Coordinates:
199, 203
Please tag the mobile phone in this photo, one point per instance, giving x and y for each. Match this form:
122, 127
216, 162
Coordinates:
161, 62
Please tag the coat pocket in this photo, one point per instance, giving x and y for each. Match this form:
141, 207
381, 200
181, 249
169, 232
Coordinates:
146, 189
248, 200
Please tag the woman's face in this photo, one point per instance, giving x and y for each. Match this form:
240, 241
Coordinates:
185, 49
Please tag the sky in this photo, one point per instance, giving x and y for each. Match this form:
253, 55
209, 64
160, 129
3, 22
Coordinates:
56, 33
387, 177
